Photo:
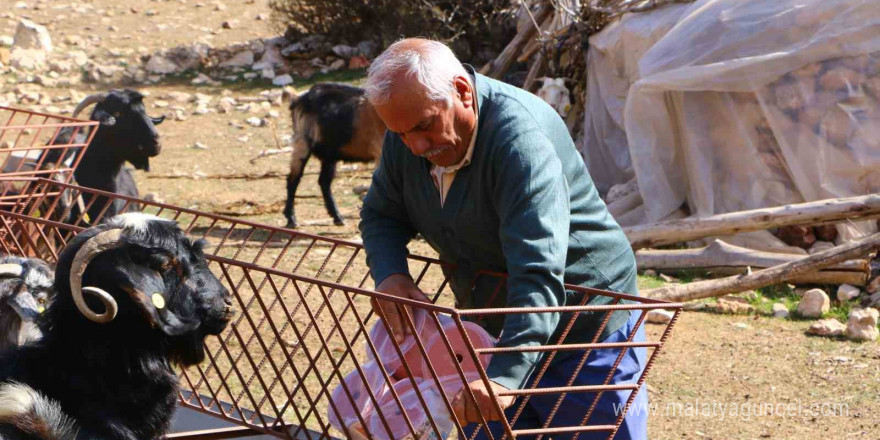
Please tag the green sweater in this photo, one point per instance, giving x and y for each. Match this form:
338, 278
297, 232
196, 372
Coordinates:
525, 206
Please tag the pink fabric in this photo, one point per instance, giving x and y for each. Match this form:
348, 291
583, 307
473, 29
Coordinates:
345, 406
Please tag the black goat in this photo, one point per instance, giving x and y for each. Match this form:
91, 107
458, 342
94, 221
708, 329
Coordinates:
105, 360
335, 123
25, 292
126, 133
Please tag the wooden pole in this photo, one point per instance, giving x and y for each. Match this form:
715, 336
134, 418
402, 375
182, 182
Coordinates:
766, 277
812, 213
720, 254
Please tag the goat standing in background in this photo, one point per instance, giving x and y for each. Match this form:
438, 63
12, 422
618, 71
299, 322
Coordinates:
134, 296
126, 134
335, 123
25, 291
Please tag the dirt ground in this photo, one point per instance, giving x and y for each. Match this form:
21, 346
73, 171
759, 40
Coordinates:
741, 377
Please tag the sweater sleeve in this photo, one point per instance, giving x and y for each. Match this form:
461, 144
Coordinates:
385, 226
532, 200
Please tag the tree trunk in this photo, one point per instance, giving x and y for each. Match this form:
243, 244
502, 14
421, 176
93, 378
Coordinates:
812, 213
766, 277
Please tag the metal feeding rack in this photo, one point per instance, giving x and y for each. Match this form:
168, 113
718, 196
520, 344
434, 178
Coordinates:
302, 324
38, 145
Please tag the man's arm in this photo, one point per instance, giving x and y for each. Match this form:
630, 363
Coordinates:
532, 201
385, 226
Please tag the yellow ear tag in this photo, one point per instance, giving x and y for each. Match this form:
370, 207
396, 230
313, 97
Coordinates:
41, 309
158, 301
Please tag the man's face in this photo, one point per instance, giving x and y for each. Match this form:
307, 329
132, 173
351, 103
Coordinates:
437, 131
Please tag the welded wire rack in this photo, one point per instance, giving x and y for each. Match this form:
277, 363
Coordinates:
38, 145
297, 355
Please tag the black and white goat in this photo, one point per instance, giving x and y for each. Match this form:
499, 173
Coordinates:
126, 134
25, 292
335, 123
134, 296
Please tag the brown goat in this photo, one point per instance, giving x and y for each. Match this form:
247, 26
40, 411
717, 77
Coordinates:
335, 123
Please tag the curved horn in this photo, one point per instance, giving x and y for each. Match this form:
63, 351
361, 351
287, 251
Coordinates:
87, 101
102, 242
11, 270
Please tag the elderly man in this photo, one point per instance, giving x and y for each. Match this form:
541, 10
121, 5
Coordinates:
488, 174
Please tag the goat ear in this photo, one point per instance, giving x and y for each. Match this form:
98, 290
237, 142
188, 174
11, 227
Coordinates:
104, 118
157, 121
147, 289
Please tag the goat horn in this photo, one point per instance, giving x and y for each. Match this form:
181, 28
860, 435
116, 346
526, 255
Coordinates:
89, 100
102, 242
11, 270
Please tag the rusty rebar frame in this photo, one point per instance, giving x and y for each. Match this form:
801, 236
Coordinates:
266, 399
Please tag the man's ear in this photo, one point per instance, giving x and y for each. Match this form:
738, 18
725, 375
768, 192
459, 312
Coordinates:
464, 91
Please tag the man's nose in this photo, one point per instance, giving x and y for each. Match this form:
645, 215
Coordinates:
419, 145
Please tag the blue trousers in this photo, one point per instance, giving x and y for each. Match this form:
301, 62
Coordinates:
575, 405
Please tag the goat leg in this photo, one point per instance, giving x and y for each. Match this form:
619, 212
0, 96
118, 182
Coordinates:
297, 168
325, 180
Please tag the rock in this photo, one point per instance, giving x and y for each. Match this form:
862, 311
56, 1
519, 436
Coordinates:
820, 246
255, 122
73, 40
200, 146
826, 327
268, 73
282, 80
273, 114
204, 79
368, 48
29, 35
161, 65
780, 311
814, 303
242, 59
27, 59
160, 104
650, 273
862, 325
667, 278
226, 104
60, 66
262, 17
846, 292
201, 110
178, 96
6, 41
874, 285
345, 51
271, 59
191, 57
733, 305
307, 47
78, 58
659, 316
358, 62
741, 326
229, 24
219, 7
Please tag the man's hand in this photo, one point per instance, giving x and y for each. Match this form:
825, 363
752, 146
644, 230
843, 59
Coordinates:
402, 286
465, 410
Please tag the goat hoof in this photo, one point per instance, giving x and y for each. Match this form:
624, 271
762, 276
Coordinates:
291, 224
339, 222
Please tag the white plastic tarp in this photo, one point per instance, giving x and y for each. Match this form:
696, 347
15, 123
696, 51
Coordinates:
753, 103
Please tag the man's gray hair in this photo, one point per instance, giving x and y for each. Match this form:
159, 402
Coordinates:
432, 63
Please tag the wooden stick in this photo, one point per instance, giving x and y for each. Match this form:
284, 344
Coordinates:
766, 277
721, 254
812, 213
833, 277
497, 67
